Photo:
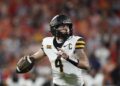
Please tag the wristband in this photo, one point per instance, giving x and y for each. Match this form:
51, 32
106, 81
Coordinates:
72, 62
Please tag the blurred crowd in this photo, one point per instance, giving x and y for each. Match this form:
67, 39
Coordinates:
24, 23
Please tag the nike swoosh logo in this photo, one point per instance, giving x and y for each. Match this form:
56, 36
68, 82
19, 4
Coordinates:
65, 45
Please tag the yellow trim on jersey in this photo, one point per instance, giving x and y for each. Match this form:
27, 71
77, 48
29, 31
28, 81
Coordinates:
79, 46
81, 42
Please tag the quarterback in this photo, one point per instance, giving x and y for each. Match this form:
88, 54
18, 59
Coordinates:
65, 52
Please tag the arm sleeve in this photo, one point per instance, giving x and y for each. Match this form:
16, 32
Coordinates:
80, 44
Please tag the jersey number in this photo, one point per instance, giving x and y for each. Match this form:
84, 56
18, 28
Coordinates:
58, 63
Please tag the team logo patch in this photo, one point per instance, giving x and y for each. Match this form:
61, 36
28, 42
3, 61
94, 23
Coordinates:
49, 46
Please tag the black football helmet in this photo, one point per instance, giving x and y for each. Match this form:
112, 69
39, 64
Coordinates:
57, 21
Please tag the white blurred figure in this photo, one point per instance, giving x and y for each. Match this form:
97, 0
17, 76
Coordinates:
93, 42
45, 73
12, 45
102, 54
14, 80
40, 76
34, 81
94, 78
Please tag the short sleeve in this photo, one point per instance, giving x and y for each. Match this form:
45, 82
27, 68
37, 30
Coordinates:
80, 44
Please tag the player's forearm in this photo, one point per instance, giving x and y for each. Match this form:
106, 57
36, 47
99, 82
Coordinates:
26, 63
83, 60
79, 64
38, 55
84, 65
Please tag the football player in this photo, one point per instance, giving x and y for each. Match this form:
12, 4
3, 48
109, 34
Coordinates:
65, 52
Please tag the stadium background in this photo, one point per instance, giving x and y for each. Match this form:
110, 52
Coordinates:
24, 23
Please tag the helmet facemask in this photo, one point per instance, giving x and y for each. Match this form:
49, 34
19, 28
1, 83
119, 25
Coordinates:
63, 33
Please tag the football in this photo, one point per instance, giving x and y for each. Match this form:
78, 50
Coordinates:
25, 64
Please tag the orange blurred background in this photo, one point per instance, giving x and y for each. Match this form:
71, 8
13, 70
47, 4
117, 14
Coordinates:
24, 23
